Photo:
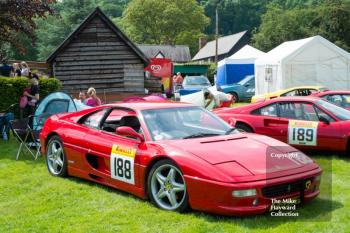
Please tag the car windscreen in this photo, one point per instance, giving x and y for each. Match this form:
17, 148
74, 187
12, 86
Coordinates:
184, 123
245, 80
337, 111
196, 80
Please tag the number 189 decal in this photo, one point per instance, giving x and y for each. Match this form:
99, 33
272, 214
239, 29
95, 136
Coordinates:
122, 163
302, 132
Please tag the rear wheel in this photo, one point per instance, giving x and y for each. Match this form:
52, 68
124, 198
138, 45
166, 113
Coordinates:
55, 158
243, 128
166, 186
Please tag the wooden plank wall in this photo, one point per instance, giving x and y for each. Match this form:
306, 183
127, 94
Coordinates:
99, 58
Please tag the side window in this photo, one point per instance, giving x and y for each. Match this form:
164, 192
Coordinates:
121, 117
298, 111
287, 110
323, 114
270, 110
290, 93
94, 120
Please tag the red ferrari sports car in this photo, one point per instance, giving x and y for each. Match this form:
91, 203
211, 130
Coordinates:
340, 98
179, 156
304, 122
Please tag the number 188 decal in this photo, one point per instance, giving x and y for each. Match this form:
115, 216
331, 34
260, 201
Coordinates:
302, 132
122, 163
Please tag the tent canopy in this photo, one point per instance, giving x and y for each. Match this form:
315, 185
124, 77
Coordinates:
239, 65
54, 103
310, 61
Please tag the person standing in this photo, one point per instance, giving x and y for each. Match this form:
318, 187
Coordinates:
179, 79
16, 70
93, 100
82, 97
25, 69
5, 69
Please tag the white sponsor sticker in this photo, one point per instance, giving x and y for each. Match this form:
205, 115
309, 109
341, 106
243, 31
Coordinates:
122, 163
302, 132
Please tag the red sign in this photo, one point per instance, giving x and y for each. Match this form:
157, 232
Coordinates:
160, 67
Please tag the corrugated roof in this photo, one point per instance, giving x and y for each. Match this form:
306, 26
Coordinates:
225, 44
177, 53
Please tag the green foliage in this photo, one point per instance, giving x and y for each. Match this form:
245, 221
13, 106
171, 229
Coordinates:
234, 15
329, 19
164, 22
11, 89
52, 30
31, 200
211, 72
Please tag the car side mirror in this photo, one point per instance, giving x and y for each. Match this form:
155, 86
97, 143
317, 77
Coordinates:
232, 122
324, 120
129, 132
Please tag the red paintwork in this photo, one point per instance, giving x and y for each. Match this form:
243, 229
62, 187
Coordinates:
332, 137
213, 166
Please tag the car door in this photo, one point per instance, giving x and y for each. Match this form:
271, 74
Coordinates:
117, 156
303, 128
267, 122
249, 89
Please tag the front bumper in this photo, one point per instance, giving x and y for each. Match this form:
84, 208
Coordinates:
216, 197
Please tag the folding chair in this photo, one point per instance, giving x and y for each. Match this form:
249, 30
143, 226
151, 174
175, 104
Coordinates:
27, 136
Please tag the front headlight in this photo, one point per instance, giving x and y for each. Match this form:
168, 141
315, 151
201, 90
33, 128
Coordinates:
244, 193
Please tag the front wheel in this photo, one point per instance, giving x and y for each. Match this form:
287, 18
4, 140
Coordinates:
166, 186
55, 158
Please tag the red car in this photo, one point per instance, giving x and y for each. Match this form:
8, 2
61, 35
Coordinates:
340, 98
304, 122
179, 156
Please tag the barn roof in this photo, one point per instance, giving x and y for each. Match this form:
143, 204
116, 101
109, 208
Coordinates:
225, 45
177, 53
97, 12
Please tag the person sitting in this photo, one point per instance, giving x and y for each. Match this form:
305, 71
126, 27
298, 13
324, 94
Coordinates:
93, 100
216, 97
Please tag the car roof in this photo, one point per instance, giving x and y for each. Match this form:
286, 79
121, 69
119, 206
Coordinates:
322, 93
294, 98
149, 105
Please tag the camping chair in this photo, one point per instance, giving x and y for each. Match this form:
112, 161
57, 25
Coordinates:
27, 135
5, 117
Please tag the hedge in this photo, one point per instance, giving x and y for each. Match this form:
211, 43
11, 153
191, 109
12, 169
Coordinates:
11, 89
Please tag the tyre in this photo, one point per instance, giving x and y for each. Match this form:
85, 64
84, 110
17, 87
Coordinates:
56, 160
244, 128
166, 186
234, 97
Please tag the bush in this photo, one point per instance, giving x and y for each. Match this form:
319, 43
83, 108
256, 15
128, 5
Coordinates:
11, 89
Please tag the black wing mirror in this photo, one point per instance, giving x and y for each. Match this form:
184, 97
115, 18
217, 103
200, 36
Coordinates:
324, 120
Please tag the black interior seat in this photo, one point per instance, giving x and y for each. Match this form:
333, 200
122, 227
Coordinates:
131, 121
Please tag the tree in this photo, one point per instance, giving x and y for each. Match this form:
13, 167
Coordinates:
329, 18
164, 22
17, 18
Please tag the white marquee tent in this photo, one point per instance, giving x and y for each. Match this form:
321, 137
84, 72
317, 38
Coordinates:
310, 61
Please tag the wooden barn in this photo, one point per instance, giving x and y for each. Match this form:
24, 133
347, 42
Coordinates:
98, 54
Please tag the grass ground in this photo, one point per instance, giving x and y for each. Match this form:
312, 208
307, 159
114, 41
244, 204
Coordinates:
31, 200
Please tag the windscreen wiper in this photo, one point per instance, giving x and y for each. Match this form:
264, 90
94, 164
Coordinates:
200, 135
